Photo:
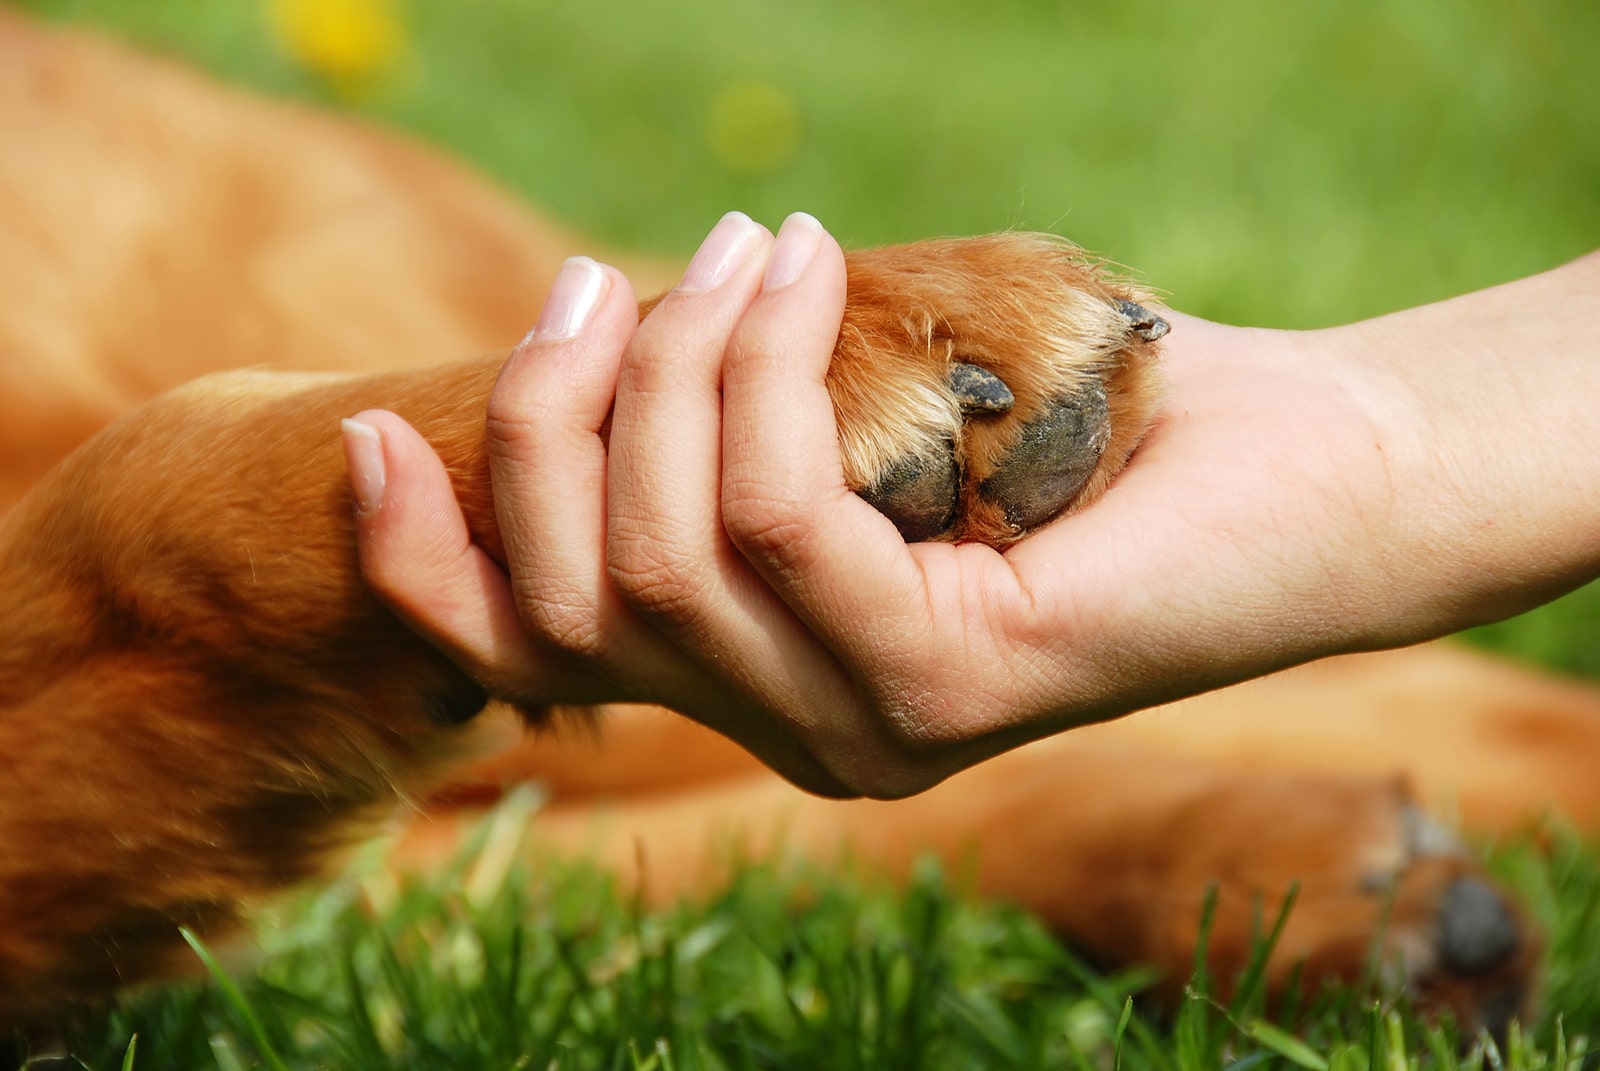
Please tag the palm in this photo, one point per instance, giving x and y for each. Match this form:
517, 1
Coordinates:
1227, 547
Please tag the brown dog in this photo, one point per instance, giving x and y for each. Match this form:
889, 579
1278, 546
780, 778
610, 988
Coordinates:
201, 702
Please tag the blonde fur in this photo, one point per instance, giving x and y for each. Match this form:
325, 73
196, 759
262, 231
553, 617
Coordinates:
200, 701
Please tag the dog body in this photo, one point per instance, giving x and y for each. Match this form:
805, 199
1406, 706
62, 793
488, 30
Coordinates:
202, 703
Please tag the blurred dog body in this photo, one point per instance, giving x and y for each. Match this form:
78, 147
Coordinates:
159, 227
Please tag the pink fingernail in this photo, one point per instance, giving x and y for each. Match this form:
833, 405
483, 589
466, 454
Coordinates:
363, 453
576, 294
798, 241
725, 249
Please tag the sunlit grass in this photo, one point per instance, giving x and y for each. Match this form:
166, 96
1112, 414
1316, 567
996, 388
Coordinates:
1278, 164
557, 969
1289, 164
1281, 164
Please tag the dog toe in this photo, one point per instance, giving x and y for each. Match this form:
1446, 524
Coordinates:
982, 387
1460, 944
919, 494
1053, 458
1477, 932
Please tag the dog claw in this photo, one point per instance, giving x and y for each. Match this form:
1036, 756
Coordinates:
919, 494
1426, 835
1051, 458
979, 390
1054, 457
1144, 323
1476, 931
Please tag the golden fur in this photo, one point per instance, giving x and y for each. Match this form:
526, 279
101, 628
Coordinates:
200, 701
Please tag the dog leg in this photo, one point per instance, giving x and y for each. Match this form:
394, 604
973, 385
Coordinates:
1115, 848
201, 699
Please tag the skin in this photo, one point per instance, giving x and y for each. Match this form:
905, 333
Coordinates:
1302, 494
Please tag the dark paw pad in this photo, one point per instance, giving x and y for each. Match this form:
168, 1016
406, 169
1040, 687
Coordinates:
1050, 458
455, 703
919, 495
1054, 457
1476, 931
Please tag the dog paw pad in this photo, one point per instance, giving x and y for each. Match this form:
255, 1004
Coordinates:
1477, 933
1022, 363
919, 494
1053, 458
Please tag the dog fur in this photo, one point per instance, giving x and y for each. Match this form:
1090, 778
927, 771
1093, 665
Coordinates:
202, 704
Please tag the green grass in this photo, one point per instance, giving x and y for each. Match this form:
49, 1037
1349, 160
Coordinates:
775, 972
1285, 164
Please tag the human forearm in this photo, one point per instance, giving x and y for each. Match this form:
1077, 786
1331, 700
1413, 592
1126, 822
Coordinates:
1486, 405
1300, 494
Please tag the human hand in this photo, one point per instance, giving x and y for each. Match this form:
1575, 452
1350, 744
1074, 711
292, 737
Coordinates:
552, 625
1272, 516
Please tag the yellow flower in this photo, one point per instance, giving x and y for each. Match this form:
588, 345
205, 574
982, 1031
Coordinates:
753, 127
348, 42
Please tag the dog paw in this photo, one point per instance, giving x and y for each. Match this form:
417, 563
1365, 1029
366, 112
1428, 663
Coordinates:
985, 386
1385, 894
1452, 939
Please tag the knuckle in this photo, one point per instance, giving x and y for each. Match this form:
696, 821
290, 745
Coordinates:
920, 726
510, 428
649, 577
760, 518
900, 759
882, 779
932, 725
565, 622
916, 748
654, 365
512, 407
517, 419
678, 347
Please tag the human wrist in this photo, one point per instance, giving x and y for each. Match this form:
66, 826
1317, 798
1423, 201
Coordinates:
1484, 407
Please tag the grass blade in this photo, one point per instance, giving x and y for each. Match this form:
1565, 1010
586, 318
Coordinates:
236, 998
1286, 1045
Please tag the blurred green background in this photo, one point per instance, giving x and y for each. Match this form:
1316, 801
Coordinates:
1284, 164
1289, 164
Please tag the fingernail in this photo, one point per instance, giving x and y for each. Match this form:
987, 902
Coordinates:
796, 247
363, 453
577, 292
726, 248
